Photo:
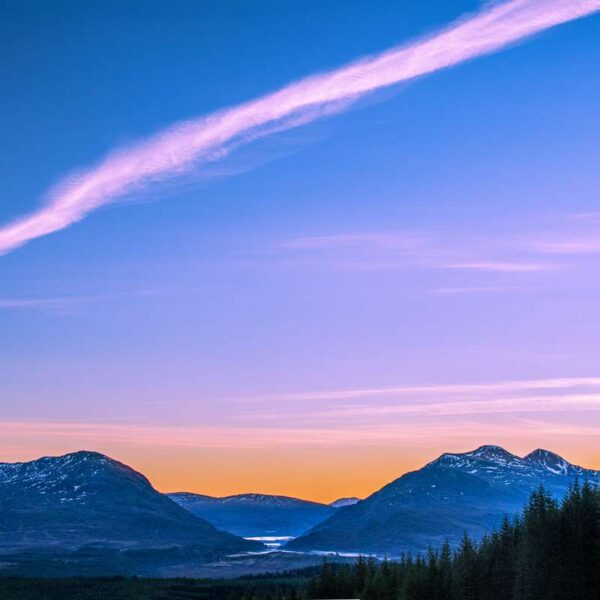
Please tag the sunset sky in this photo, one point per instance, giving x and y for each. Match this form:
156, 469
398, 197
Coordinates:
235, 279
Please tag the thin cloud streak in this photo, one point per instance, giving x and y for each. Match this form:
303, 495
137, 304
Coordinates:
590, 217
569, 246
405, 241
492, 388
462, 291
223, 437
183, 146
501, 267
402, 250
99, 435
69, 302
513, 406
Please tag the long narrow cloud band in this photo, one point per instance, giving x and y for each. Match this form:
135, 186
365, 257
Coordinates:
183, 146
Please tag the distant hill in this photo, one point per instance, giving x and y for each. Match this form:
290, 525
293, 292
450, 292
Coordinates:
256, 515
85, 500
457, 493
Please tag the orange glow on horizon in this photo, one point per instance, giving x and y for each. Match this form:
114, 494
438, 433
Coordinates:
319, 472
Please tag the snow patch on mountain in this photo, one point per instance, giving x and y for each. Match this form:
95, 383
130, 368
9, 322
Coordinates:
341, 502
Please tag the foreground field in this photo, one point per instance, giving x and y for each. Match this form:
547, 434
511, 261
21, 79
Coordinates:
285, 587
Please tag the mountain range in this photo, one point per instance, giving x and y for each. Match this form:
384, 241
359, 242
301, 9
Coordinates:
256, 515
84, 513
469, 492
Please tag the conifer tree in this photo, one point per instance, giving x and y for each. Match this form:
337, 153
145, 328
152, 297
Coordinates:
537, 563
465, 571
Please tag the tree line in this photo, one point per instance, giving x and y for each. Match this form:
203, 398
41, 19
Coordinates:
549, 552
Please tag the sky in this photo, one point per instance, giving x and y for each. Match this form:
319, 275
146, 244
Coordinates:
237, 279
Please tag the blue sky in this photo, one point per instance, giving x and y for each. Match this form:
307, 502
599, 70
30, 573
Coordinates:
444, 231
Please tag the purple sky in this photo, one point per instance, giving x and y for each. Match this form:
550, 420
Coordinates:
307, 291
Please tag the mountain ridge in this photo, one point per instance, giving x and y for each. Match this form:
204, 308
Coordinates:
86, 506
255, 515
455, 493
87, 499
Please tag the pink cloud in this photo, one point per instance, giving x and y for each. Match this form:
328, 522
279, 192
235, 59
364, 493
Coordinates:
183, 146
501, 266
569, 246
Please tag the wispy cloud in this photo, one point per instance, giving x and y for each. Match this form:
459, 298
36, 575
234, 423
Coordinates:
26, 303
69, 303
423, 406
185, 145
568, 246
568, 236
520, 404
489, 389
432, 250
196, 436
561, 244
404, 241
462, 291
500, 266
156, 437
590, 217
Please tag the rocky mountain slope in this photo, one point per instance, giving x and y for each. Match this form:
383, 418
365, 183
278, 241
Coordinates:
469, 492
86, 500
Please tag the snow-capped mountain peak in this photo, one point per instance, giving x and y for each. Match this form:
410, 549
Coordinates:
492, 453
486, 457
469, 491
499, 464
71, 477
341, 502
550, 461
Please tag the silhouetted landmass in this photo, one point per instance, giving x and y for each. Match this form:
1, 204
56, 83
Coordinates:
550, 552
289, 586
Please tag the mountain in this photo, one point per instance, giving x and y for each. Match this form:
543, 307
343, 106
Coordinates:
454, 494
341, 502
87, 500
256, 515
